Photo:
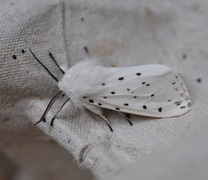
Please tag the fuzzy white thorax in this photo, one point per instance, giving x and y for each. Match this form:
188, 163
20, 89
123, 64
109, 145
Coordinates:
83, 80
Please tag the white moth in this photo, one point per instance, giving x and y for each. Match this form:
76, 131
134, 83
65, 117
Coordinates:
151, 90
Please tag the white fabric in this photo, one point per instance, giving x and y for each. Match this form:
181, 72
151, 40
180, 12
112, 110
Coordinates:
118, 33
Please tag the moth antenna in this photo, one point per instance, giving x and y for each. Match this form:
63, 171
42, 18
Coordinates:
44, 66
126, 116
52, 120
50, 54
42, 119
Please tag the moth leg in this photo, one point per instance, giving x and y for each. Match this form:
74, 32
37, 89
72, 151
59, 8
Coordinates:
98, 112
127, 117
52, 120
107, 122
42, 119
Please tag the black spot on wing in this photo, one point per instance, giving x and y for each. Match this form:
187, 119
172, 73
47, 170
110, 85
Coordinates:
91, 101
126, 104
144, 107
121, 78
138, 74
160, 109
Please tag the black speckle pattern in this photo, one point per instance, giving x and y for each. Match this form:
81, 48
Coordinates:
135, 96
121, 78
14, 57
117, 108
144, 107
23, 51
86, 49
128, 89
152, 95
182, 107
126, 104
138, 74
184, 56
143, 82
105, 97
173, 83
103, 84
99, 104
198, 80
147, 84
112, 92
91, 101
160, 109
169, 100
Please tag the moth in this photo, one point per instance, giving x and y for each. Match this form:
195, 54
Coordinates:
151, 90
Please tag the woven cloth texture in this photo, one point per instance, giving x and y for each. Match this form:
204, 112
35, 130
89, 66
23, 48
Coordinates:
118, 33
